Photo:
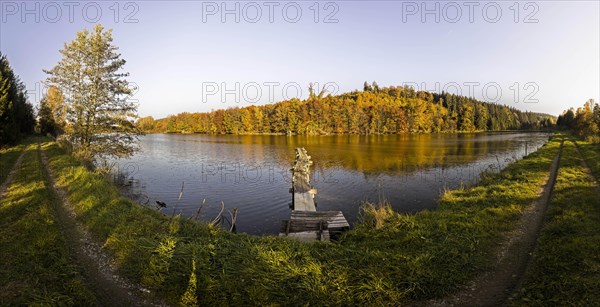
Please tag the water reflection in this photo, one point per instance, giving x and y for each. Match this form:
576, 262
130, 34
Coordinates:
252, 172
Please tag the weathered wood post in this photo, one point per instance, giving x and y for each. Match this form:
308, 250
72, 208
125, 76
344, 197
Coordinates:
303, 195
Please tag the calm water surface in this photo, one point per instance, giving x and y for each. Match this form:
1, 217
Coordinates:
252, 173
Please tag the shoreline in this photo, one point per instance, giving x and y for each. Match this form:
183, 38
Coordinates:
353, 134
388, 258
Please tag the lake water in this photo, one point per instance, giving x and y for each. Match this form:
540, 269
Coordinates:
252, 173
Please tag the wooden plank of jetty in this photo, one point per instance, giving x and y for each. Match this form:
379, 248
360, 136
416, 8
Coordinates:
314, 225
303, 194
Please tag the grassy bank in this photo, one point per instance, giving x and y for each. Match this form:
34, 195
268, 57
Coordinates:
390, 258
8, 157
591, 154
566, 265
37, 267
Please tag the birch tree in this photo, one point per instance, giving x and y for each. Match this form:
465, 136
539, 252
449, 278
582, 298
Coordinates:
99, 111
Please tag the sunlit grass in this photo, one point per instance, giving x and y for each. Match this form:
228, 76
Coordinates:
389, 259
591, 153
162, 256
8, 157
36, 264
566, 267
375, 214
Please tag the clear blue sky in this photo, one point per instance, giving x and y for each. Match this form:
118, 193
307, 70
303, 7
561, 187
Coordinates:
177, 51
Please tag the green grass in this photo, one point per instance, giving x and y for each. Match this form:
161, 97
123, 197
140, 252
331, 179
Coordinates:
389, 259
591, 154
36, 268
8, 157
566, 265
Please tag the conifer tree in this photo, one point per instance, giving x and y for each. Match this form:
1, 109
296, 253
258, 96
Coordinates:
16, 114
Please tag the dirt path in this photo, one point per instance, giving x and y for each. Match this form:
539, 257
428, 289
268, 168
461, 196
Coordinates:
11, 175
495, 287
110, 288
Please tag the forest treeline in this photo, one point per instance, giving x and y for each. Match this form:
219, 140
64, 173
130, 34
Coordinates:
374, 110
17, 117
584, 122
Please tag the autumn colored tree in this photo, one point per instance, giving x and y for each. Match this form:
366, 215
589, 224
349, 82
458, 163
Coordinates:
481, 117
586, 126
386, 110
585, 122
53, 113
597, 114
567, 119
47, 123
146, 124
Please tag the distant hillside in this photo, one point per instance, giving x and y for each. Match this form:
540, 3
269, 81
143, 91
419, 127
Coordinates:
374, 111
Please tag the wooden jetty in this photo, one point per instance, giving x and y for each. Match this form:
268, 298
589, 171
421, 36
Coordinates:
306, 223
314, 225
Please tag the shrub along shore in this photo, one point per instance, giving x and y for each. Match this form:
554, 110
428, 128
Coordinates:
387, 259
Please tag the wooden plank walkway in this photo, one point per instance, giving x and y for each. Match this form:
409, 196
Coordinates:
314, 225
305, 222
303, 195
304, 201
